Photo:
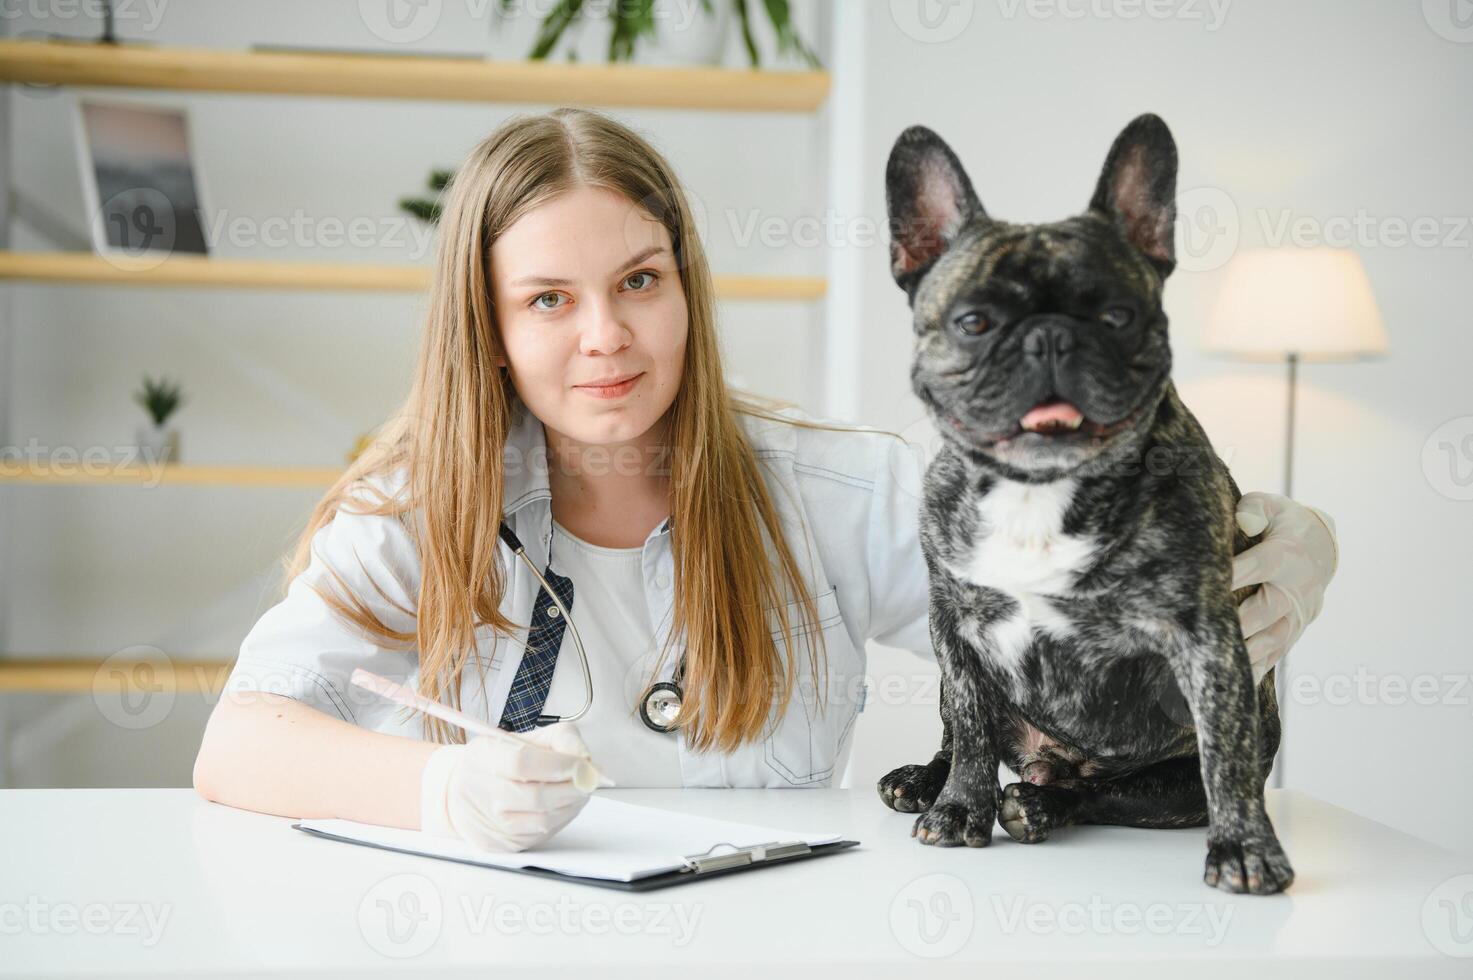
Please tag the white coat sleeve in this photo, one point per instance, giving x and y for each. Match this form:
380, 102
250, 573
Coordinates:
899, 591
303, 649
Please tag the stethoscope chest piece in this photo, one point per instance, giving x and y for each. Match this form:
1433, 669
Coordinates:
660, 709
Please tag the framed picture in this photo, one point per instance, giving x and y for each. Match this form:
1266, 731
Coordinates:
139, 184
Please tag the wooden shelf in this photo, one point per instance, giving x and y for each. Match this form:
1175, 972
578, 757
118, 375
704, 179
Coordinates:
82, 674
408, 77
82, 473
86, 268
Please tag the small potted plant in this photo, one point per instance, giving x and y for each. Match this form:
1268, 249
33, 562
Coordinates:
158, 442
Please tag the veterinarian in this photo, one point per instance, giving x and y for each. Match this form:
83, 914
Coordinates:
570, 386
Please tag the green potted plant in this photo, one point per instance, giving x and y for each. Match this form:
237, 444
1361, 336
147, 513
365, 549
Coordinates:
663, 31
158, 442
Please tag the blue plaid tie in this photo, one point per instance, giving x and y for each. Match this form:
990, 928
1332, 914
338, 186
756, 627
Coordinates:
534, 674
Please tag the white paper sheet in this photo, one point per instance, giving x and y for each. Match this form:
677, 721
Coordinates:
608, 839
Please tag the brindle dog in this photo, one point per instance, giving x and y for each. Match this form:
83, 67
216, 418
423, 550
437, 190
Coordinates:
1077, 526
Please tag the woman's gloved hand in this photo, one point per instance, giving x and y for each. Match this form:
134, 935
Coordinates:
502, 795
1294, 562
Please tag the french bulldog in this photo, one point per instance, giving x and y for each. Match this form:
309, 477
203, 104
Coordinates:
1077, 527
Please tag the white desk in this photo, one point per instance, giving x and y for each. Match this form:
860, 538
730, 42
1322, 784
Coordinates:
232, 892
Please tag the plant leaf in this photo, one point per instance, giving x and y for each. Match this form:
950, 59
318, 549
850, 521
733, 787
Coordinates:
747, 39
553, 26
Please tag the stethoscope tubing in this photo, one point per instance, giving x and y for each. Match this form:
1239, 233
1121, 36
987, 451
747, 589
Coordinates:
515, 544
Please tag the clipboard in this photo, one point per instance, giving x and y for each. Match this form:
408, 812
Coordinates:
697, 867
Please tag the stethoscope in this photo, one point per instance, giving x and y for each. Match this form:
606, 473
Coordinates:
659, 709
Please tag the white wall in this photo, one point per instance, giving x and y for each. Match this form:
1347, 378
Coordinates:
1318, 108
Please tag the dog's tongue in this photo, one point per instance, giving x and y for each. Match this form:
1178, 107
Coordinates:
1050, 413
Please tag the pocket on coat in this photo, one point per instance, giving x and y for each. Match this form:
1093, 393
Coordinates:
803, 747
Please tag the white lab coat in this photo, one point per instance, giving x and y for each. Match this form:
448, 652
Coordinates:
849, 502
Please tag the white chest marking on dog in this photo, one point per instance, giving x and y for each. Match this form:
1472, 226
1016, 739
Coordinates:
1022, 550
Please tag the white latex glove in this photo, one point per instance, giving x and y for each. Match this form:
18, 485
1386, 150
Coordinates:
1294, 562
501, 795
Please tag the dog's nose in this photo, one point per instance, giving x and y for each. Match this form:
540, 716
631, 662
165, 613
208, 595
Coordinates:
1050, 336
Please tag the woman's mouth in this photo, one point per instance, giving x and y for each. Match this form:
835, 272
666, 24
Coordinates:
611, 388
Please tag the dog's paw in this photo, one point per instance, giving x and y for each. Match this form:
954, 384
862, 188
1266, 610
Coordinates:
1258, 867
1028, 812
911, 789
950, 824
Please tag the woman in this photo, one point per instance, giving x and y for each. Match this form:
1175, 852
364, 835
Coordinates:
570, 384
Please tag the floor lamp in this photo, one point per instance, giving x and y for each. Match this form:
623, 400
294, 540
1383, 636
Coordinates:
1292, 305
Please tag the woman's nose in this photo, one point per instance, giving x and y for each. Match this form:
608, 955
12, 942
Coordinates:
602, 332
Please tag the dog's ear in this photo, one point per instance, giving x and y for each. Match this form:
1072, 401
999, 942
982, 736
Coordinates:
1137, 189
929, 200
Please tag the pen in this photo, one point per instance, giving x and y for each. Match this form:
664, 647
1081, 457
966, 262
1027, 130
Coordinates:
587, 776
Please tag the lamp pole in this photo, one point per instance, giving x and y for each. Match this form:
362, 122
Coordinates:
1281, 683
1293, 360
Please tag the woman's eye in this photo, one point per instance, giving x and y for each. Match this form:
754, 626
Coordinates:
646, 277
1118, 316
539, 305
970, 323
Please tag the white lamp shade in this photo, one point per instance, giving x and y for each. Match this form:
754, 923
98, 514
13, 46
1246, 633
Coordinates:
1313, 302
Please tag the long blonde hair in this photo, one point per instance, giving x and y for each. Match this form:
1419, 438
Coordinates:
452, 430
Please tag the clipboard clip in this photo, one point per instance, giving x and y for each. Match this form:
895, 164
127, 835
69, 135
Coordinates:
756, 853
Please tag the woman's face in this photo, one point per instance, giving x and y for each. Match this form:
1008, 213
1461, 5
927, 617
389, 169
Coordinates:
586, 292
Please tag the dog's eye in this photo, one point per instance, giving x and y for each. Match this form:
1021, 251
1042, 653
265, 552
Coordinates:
1118, 316
970, 323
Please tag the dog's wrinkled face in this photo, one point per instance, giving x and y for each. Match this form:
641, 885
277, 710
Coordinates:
1040, 347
